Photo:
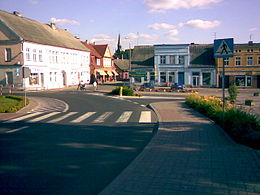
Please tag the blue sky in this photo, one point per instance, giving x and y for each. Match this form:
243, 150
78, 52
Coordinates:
147, 22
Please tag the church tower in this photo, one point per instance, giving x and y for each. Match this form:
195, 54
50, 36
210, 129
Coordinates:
119, 47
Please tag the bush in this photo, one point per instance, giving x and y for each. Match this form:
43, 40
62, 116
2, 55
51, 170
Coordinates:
11, 103
233, 92
242, 126
126, 91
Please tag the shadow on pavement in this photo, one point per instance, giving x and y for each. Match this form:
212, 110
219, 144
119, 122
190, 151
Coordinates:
67, 159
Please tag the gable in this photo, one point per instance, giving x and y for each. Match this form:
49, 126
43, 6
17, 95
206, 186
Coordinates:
107, 53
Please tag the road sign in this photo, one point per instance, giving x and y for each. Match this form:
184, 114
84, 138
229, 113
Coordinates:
137, 74
224, 48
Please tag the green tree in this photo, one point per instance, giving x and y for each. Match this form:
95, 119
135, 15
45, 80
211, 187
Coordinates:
233, 92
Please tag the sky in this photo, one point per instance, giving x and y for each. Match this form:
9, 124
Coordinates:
147, 22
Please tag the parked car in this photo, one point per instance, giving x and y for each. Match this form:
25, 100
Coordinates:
147, 85
177, 86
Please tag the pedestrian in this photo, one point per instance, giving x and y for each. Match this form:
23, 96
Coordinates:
95, 85
80, 84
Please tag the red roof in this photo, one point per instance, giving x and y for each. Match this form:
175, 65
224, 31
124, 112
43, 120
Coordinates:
93, 51
101, 49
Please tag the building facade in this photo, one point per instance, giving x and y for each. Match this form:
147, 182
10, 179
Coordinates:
54, 57
243, 69
188, 64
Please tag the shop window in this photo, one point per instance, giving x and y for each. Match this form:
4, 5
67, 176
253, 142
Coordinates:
206, 78
244, 81
195, 78
163, 77
34, 79
152, 77
172, 77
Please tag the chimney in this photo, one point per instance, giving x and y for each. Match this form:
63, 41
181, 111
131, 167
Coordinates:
16, 13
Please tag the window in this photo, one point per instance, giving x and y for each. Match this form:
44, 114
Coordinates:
206, 78
172, 77
98, 62
28, 57
162, 59
172, 59
40, 55
53, 57
34, 79
181, 59
244, 81
250, 50
162, 76
258, 60
238, 61
249, 60
50, 76
8, 54
56, 57
225, 61
238, 51
34, 55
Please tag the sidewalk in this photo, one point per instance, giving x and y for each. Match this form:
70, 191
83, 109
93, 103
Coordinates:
189, 155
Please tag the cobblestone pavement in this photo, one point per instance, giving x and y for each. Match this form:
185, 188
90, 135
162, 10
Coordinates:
189, 155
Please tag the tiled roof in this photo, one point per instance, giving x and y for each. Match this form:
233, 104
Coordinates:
122, 64
101, 49
202, 54
143, 57
31, 30
93, 51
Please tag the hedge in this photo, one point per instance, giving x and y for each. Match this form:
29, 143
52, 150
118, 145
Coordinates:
11, 103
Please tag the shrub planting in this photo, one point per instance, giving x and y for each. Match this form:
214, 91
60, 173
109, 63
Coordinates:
11, 103
126, 91
242, 126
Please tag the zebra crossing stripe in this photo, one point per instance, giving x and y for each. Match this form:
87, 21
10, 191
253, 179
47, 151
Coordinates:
62, 117
145, 117
83, 117
23, 117
103, 117
124, 117
44, 117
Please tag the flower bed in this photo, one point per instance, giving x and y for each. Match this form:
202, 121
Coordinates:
241, 126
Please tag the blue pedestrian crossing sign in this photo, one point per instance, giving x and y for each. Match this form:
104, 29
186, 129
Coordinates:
224, 48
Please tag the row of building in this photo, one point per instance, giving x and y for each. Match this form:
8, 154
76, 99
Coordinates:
42, 56
195, 65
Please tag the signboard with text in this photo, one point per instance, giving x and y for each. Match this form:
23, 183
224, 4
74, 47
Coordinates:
137, 74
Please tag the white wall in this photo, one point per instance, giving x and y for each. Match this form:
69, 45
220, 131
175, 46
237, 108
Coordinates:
56, 62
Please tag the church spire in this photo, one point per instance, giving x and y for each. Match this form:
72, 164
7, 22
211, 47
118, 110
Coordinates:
119, 47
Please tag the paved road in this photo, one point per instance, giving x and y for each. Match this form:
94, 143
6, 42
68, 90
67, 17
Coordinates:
76, 143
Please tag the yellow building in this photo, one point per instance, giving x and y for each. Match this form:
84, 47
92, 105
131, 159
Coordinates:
243, 69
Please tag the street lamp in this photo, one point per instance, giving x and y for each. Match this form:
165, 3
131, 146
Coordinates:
130, 56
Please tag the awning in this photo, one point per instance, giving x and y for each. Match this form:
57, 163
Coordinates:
115, 73
110, 73
101, 72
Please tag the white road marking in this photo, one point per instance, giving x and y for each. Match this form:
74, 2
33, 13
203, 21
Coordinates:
23, 117
83, 117
103, 117
124, 117
44, 117
18, 129
145, 117
62, 117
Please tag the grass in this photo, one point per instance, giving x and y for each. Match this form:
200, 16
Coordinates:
11, 103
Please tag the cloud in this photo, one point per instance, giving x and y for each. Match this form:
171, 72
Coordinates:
160, 6
201, 24
64, 21
34, 2
162, 26
252, 29
102, 38
142, 36
171, 35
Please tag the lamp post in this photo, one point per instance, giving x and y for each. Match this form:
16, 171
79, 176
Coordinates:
130, 66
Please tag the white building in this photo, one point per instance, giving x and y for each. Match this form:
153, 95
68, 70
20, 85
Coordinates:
54, 56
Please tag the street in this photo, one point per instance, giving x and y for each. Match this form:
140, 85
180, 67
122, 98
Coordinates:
74, 142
